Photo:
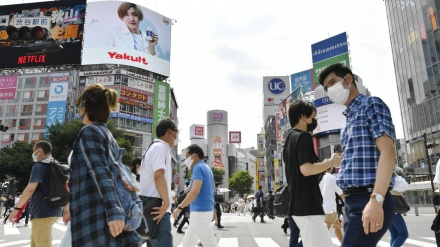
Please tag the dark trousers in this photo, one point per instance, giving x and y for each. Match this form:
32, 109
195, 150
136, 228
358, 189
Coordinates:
185, 220
164, 237
354, 235
259, 212
294, 234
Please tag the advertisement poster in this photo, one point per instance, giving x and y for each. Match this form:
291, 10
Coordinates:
41, 34
129, 34
235, 137
302, 80
275, 89
56, 108
329, 116
284, 107
8, 87
161, 103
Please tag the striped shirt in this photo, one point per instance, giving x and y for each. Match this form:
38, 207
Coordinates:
368, 118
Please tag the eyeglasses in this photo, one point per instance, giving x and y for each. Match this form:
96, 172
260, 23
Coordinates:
176, 131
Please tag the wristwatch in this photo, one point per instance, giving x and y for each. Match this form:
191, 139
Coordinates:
377, 197
178, 206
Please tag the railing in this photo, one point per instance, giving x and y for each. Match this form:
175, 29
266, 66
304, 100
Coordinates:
418, 209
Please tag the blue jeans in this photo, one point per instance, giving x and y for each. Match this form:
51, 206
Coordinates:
354, 235
294, 234
398, 230
164, 237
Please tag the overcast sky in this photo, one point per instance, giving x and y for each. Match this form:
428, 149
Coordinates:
220, 51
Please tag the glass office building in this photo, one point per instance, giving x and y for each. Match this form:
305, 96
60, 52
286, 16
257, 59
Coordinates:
415, 41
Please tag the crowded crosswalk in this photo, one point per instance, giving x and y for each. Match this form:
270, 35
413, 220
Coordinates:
18, 235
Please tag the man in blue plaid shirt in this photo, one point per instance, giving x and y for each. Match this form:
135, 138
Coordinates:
366, 172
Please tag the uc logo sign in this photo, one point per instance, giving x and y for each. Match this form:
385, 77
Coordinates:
276, 86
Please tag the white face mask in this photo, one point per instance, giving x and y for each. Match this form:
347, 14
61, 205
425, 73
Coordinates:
35, 156
338, 94
176, 141
189, 161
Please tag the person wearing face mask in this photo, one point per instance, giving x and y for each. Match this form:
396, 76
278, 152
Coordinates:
43, 216
200, 198
366, 173
303, 171
156, 178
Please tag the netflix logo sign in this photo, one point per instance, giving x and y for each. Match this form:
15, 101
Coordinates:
197, 131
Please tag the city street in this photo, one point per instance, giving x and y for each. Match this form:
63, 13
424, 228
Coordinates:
239, 231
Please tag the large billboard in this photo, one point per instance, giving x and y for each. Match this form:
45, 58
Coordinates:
56, 108
41, 34
235, 137
197, 131
303, 80
284, 107
129, 34
275, 89
329, 51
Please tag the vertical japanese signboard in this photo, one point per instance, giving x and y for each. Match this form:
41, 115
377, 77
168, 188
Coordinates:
56, 108
161, 103
8, 87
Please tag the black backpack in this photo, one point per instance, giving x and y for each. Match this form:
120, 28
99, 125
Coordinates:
58, 196
281, 203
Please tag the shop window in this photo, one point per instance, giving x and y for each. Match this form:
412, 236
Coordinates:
11, 110
6, 138
39, 123
23, 124
27, 96
40, 109
42, 95
26, 110
29, 83
36, 137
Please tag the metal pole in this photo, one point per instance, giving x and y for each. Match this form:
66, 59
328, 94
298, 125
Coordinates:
429, 168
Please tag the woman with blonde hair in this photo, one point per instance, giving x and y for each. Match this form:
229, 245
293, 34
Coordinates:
97, 216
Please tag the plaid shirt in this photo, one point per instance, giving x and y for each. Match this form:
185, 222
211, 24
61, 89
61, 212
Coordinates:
91, 212
368, 118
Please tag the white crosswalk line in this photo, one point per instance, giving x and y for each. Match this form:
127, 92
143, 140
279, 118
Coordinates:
336, 241
53, 242
429, 238
419, 243
60, 227
228, 242
10, 230
383, 244
15, 243
266, 242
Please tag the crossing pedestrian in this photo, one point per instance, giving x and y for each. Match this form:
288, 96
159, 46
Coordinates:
201, 199
303, 172
156, 178
97, 217
259, 211
328, 189
398, 229
43, 216
366, 173
218, 210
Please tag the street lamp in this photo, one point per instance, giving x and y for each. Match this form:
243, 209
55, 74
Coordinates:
428, 146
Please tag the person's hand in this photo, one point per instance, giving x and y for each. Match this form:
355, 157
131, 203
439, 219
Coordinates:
116, 227
66, 216
154, 40
372, 217
12, 215
336, 160
160, 211
176, 212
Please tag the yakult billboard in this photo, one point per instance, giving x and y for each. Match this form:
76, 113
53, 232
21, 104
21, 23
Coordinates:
129, 34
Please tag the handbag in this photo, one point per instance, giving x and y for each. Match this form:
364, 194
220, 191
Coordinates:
219, 198
149, 231
400, 205
281, 203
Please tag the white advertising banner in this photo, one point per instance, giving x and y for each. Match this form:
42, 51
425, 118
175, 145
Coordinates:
329, 116
197, 131
129, 34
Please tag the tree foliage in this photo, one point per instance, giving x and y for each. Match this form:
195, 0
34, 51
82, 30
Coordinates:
16, 163
218, 174
16, 160
241, 182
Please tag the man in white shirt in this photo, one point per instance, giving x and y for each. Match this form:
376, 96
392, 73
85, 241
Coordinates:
437, 174
328, 189
156, 176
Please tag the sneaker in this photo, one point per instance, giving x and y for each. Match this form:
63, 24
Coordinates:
263, 221
180, 231
25, 225
253, 219
220, 227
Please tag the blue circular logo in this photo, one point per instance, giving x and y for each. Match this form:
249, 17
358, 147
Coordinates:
58, 89
276, 86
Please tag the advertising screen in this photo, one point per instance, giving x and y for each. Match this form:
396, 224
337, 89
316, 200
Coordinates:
129, 34
329, 116
319, 67
303, 79
8, 87
41, 34
284, 107
330, 47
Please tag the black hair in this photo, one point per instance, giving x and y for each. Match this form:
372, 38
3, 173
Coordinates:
339, 69
164, 125
195, 149
298, 109
260, 187
45, 146
135, 162
337, 148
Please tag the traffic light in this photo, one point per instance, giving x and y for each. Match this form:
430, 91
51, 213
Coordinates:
3, 128
24, 33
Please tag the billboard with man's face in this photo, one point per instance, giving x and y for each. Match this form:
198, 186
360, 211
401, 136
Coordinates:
41, 34
129, 34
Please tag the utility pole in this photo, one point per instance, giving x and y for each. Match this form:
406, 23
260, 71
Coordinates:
427, 147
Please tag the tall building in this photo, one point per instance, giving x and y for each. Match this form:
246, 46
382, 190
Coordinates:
217, 140
415, 42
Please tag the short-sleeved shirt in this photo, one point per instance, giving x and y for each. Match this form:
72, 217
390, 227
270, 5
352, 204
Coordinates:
157, 157
204, 202
38, 206
368, 118
437, 173
305, 196
328, 189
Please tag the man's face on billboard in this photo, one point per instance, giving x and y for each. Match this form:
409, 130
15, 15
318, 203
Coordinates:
131, 19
